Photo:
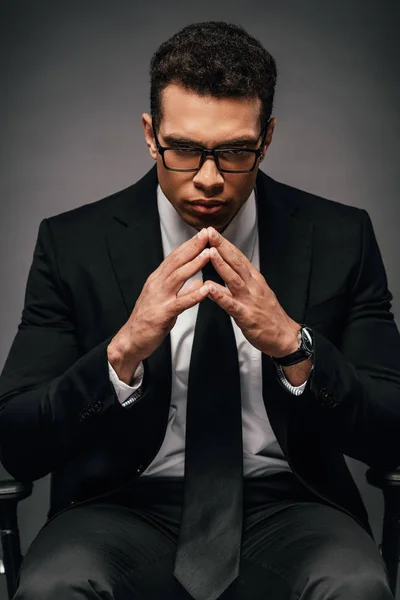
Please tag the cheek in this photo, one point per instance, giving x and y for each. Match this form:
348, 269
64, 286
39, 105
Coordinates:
240, 188
174, 185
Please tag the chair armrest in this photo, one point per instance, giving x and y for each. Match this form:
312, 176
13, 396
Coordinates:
11, 489
381, 479
389, 483
11, 492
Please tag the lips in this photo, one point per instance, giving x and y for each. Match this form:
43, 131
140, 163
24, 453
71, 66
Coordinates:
206, 207
207, 203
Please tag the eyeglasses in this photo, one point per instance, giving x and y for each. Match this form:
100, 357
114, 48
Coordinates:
228, 160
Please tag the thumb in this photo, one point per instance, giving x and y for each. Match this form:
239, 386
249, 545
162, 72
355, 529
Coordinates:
187, 288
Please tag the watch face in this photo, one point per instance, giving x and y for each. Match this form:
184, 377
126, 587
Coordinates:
307, 340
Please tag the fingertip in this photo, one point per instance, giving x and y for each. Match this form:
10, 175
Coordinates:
202, 234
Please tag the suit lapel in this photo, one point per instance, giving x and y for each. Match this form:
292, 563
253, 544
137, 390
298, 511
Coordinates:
134, 238
135, 248
285, 245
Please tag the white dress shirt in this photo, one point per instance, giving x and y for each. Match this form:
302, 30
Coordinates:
261, 452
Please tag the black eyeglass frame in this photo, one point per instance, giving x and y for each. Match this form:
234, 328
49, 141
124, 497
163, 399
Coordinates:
214, 153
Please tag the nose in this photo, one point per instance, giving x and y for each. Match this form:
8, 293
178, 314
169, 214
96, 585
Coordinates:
208, 176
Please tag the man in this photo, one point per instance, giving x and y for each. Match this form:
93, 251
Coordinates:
196, 354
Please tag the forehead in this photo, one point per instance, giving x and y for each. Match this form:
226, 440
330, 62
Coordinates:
193, 115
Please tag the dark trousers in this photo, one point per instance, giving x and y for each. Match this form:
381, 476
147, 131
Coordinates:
294, 548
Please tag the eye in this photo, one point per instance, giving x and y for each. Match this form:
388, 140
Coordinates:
233, 152
187, 150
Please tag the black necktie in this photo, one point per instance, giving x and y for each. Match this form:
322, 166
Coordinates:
209, 544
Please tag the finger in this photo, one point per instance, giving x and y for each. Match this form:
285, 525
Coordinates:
231, 254
190, 287
186, 301
222, 288
232, 279
178, 278
224, 300
183, 254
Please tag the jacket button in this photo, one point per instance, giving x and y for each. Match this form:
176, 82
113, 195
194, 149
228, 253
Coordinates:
323, 394
331, 401
327, 399
97, 406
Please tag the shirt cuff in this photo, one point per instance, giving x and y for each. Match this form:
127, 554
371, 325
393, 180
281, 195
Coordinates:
127, 394
296, 390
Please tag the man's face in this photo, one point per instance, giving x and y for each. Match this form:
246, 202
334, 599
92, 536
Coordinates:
211, 123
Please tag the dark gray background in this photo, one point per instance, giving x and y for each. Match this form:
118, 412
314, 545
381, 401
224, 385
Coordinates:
75, 83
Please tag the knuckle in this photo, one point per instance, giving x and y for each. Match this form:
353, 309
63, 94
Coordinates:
258, 278
151, 288
174, 277
232, 305
237, 259
274, 301
173, 263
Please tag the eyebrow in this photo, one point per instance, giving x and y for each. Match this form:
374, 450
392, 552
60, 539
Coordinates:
173, 139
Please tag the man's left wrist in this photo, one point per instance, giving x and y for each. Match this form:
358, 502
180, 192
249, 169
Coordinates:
292, 342
299, 373
303, 351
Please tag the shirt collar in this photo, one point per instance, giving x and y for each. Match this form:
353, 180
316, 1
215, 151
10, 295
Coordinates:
241, 231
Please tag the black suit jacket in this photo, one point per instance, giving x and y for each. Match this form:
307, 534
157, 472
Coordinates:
59, 412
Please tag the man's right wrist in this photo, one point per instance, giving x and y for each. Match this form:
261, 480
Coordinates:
128, 394
123, 361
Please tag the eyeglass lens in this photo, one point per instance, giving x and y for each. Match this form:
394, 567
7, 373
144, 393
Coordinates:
189, 158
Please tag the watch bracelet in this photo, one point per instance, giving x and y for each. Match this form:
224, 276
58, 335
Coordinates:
285, 383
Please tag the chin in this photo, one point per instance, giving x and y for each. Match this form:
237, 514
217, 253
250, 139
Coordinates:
199, 224
210, 223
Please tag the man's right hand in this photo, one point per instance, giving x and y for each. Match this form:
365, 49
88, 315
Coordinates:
160, 303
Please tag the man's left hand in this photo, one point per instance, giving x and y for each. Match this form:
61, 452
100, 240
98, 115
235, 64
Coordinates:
249, 300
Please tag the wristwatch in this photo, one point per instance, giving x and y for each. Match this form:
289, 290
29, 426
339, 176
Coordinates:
304, 351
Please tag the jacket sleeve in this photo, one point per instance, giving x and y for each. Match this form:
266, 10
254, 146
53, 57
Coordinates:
52, 396
354, 389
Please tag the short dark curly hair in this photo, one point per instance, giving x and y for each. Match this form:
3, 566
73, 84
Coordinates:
213, 58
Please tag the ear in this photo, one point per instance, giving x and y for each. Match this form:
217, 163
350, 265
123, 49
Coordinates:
147, 124
270, 133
